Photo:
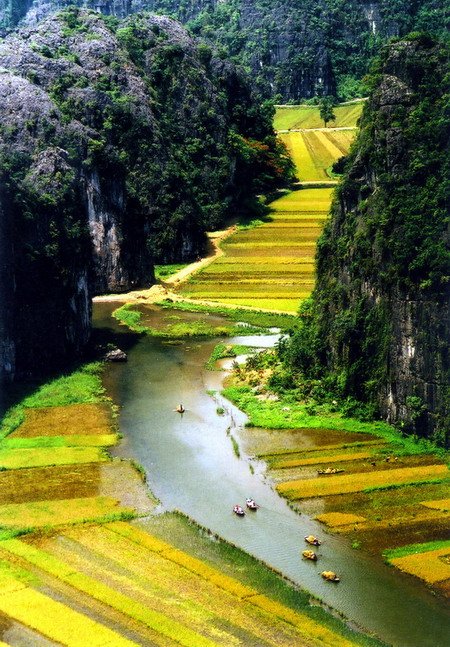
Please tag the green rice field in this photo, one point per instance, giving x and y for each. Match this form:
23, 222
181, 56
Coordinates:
293, 117
315, 151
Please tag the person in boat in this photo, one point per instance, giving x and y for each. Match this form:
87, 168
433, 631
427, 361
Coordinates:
330, 576
180, 409
251, 503
310, 539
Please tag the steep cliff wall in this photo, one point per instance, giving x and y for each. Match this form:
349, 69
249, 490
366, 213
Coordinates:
298, 48
119, 145
380, 320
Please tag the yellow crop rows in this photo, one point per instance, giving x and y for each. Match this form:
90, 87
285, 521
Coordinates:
53, 619
318, 460
37, 514
293, 117
345, 483
428, 565
62, 421
157, 585
269, 280
39, 457
336, 519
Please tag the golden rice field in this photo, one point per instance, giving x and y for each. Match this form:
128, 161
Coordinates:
378, 499
337, 519
441, 504
271, 266
430, 565
346, 483
296, 117
147, 589
38, 514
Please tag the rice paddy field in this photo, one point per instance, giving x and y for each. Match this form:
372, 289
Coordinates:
122, 584
381, 501
271, 266
304, 116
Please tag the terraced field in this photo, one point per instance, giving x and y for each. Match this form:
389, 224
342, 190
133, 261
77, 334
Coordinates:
271, 266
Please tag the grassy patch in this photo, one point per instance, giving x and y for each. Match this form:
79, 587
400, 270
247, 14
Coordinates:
223, 351
288, 414
97, 440
82, 386
292, 117
236, 449
262, 320
414, 549
164, 271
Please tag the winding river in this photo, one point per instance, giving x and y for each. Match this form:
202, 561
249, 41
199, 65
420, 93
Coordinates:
191, 466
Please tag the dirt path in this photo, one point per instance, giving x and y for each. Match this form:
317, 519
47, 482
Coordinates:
162, 290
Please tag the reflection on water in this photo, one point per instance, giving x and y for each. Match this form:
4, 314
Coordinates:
191, 466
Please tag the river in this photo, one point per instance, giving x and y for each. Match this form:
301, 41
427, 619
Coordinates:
191, 466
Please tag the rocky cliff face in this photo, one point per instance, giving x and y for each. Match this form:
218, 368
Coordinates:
119, 145
297, 48
382, 302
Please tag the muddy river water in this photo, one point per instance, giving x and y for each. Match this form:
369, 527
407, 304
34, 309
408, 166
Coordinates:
191, 466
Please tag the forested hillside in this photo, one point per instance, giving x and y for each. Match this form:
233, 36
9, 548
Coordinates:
120, 145
295, 48
378, 326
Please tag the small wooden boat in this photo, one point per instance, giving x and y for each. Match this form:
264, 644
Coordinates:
180, 409
251, 504
238, 510
330, 470
310, 539
310, 554
330, 576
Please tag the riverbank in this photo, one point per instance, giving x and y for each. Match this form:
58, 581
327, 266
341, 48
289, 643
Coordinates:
76, 568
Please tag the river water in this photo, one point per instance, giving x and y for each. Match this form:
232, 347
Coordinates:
191, 466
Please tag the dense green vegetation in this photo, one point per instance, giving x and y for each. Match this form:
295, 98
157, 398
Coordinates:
251, 34
384, 247
298, 48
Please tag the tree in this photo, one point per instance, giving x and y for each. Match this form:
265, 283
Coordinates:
326, 110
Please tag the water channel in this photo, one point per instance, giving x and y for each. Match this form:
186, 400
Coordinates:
191, 466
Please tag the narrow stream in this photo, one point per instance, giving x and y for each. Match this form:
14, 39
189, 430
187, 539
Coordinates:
191, 466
